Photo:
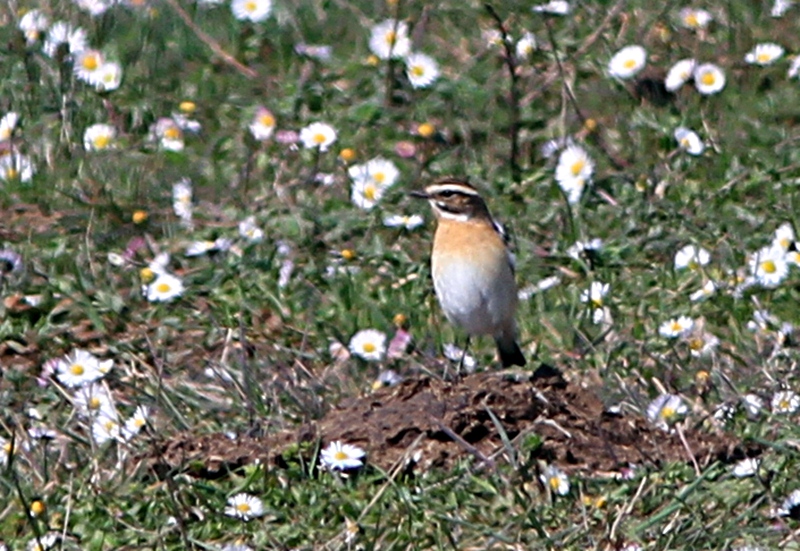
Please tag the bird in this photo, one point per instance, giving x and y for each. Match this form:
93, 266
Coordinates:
472, 266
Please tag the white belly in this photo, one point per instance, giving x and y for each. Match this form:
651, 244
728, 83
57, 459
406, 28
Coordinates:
478, 299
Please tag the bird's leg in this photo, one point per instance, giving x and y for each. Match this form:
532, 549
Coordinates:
463, 356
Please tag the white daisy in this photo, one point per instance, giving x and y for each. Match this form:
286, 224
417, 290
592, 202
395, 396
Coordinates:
665, 410
526, 46
64, 33
780, 7
708, 289
199, 248
702, 343
340, 457
369, 344
695, 19
627, 62
752, 404
263, 124
109, 76
768, 266
676, 327
555, 479
785, 401
679, 74
790, 505
44, 543
455, 354
93, 399
692, 257
7, 125
87, 66
318, 134
390, 39
784, 236
250, 231
689, 141
244, 506
165, 288
80, 368
251, 10
745, 467
554, 7
408, 222
169, 134
94, 7
794, 68
708, 79
581, 249
595, 294
33, 24
134, 424
371, 180
106, 427
98, 137
422, 70
16, 167
573, 172
182, 199
764, 54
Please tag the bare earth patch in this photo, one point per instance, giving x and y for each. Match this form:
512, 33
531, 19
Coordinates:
443, 421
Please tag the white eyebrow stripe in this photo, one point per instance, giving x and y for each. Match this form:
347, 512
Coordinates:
457, 188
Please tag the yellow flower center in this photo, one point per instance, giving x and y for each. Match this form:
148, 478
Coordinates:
172, 133
676, 327
94, 403
139, 422
348, 254
769, 266
554, 483
91, 62
691, 20
785, 242
243, 508
11, 173
319, 138
7, 447
369, 348
101, 142
784, 404
77, 369
37, 507
685, 142
250, 7
379, 177
577, 166
390, 38
347, 154
426, 130
147, 274
139, 216
5, 133
109, 424
370, 192
267, 120
187, 106
340, 455
597, 302
708, 78
417, 70
163, 287
696, 343
667, 413
763, 58
629, 63
693, 265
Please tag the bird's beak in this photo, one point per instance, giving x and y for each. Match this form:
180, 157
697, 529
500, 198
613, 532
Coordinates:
419, 194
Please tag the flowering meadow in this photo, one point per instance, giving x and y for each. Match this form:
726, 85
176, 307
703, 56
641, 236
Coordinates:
206, 228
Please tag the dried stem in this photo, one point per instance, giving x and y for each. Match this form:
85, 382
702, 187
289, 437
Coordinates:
513, 95
215, 46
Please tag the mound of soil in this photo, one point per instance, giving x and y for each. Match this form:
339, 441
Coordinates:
437, 422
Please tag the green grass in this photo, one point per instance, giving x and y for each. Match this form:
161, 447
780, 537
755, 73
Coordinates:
646, 201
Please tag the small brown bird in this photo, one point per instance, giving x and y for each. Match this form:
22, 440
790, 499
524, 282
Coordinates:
472, 267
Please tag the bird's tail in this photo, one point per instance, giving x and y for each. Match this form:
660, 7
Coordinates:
509, 351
